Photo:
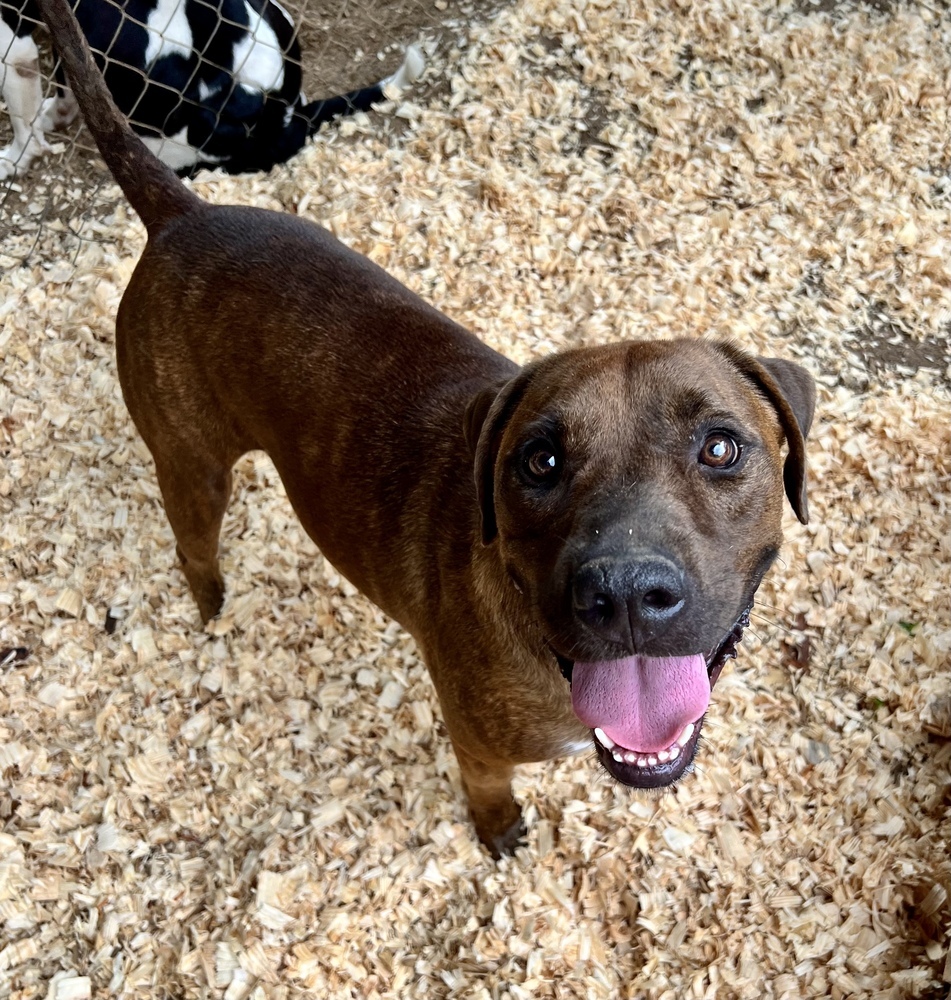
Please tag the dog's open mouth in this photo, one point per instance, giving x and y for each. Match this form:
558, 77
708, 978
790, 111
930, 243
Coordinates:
646, 712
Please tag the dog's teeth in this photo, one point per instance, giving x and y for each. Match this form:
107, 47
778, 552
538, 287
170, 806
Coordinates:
602, 737
684, 738
624, 756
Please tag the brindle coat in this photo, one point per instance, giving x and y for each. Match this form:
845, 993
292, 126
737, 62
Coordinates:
245, 329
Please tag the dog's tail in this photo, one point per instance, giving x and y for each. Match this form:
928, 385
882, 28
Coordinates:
153, 189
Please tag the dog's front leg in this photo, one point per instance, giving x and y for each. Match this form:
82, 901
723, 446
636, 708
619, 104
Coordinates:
492, 806
21, 88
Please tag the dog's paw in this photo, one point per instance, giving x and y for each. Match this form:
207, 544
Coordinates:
414, 63
57, 113
500, 829
504, 844
16, 158
210, 598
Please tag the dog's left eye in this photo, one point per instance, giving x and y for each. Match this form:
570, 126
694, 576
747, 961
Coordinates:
541, 463
719, 451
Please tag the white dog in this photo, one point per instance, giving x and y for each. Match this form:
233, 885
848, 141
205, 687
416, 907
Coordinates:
213, 82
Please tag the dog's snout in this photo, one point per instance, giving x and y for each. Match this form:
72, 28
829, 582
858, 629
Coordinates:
629, 601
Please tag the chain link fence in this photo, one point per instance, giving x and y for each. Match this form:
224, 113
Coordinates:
63, 198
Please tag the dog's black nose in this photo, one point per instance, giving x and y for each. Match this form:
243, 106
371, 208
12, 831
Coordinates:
629, 600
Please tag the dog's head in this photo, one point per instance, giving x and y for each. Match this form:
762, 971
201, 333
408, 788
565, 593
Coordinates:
635, 494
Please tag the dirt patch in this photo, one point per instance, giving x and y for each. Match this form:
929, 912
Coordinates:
841, 6
348, 45
883, 346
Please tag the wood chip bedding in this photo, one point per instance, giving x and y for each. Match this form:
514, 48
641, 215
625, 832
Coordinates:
269, 809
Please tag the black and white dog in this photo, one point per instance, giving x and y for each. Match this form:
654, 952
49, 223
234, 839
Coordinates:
214, 82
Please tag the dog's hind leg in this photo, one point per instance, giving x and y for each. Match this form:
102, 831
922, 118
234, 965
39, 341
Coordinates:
196, 494
22, 90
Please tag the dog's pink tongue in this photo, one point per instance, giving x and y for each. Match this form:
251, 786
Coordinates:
641, 702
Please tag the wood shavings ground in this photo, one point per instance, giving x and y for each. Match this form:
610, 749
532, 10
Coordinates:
270, 809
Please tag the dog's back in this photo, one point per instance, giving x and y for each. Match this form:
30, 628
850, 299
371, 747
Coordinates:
223, 294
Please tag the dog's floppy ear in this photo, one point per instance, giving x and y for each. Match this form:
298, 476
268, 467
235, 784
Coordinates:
486, 416
792, 391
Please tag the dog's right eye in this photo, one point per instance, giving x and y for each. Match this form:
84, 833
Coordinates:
720, 451
541, 463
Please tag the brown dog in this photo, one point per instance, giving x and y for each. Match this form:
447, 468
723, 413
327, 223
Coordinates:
626, 504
